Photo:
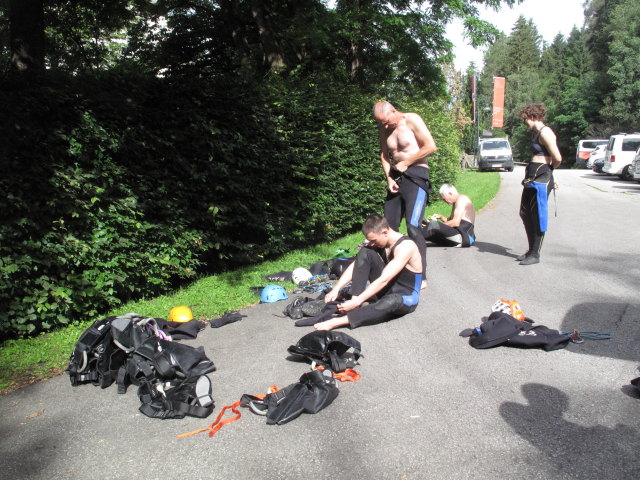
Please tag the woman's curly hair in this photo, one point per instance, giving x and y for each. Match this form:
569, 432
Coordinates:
533, 111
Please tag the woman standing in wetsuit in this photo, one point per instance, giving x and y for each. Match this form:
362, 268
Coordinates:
538, 180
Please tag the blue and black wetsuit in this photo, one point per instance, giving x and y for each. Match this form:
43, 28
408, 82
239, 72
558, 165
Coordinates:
409, 201
398, 298
538, 183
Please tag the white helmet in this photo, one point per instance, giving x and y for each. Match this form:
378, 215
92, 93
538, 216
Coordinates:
300, 275
510, 307
501, 306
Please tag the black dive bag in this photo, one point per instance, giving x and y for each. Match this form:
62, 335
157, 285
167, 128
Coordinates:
331, 349
314, 391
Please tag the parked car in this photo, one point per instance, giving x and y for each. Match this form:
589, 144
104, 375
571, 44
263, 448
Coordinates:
585, 147
598, 164
635, 166
621, 150
598, 152
494, 154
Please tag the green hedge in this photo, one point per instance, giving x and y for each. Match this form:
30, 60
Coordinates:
121, 187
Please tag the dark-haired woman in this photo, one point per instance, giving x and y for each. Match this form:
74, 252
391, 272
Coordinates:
538, 181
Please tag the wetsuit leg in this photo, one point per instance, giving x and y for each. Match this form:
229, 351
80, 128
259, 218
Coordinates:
393, 210
387, 308
528, 210
368, 266
442, 234
414, 199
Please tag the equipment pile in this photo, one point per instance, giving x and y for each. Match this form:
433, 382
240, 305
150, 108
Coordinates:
332, 356
130, 349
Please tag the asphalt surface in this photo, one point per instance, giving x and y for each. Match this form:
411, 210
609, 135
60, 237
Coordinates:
428, 405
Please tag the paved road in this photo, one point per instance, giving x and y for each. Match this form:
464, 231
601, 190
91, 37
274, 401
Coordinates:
428, 405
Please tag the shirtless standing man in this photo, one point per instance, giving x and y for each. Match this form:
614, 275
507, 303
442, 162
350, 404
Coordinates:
457, 230
405, 143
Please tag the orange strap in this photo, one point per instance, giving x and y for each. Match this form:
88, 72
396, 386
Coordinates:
349, 375
217, 424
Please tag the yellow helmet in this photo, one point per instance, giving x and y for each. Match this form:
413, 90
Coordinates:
180, 313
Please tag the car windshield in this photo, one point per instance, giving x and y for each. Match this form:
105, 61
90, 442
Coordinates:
495, 145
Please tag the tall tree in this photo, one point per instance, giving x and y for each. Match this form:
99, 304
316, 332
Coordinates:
622, 105
552, 67
523, 46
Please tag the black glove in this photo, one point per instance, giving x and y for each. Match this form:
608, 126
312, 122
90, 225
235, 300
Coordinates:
227, 317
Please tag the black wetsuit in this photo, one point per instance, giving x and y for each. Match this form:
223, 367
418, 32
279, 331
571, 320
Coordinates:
460, 236
409, 201
538, 183
398, 298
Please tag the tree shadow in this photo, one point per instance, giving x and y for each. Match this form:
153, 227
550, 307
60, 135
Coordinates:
487, 247
575, 450
28, 456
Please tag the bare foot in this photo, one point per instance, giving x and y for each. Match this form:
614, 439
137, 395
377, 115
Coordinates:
332, 323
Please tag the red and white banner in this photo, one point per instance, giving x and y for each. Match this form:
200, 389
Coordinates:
497, 118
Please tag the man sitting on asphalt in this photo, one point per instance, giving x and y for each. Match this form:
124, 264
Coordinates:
385, 281
456, 231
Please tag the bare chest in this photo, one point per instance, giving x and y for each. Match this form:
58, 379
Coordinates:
402, 139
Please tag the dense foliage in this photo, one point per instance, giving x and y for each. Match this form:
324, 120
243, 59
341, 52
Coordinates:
130, 185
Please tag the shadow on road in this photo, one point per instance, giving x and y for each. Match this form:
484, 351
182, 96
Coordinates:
27, 460
630, 391
622, 320
631, 187
495, 249
603, 176
575, 450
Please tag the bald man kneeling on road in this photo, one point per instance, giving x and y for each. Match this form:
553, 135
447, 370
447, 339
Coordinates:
457, 230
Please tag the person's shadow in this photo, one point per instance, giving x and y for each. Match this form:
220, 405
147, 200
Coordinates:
576, 451
493, 248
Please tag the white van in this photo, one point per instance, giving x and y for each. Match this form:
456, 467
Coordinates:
635, 167
585, 147
495, 153
621, 150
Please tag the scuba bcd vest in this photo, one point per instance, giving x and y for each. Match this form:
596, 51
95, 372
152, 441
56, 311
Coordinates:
95, 358
131, 349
